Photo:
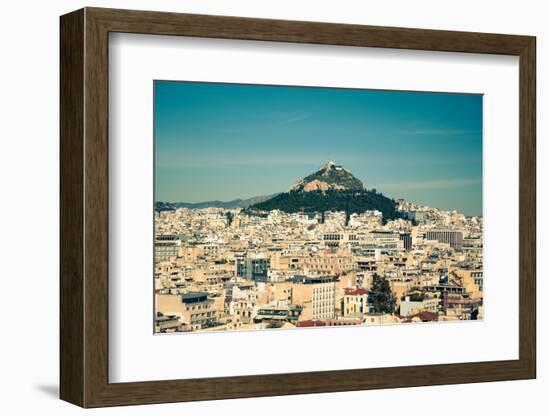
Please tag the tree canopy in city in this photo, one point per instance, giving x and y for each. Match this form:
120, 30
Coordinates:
381, 299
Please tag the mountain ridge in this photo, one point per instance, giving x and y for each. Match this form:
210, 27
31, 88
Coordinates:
234, 203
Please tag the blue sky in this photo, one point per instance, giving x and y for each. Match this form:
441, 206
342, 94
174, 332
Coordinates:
227, 141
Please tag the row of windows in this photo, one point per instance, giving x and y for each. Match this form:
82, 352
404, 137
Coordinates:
323, 289
201, 306
196, 316
349, 299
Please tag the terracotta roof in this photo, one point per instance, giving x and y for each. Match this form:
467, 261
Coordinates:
426, 316
310, 322
355, 291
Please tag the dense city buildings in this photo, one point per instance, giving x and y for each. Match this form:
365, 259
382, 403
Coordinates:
250, 236
237, 269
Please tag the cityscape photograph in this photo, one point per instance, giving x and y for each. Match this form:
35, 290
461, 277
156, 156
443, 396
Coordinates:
287, 207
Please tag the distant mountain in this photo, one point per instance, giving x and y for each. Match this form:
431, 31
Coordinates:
331, 188
330, 177
164, 206
235, 203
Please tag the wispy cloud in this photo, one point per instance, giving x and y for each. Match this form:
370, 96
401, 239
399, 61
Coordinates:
434, 184
294, 117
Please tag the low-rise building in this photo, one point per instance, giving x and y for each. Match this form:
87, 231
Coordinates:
193, 309
354, 302
414, 304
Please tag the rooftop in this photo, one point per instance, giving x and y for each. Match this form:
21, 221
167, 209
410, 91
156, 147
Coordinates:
310, 280
194, 297
355, 291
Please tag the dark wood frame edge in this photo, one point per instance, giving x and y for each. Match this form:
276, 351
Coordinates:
84, 207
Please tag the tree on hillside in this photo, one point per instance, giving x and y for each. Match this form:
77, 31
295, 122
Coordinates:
381, 299
353, 202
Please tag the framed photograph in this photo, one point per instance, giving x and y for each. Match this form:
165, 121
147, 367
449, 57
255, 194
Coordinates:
255, 207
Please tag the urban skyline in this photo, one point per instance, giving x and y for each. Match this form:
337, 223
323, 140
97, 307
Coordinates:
371, 207
420, 146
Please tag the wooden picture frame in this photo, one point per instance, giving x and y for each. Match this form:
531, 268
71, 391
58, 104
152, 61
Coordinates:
84, 207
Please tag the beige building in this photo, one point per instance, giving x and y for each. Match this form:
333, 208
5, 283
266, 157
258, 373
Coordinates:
189, 254
472, 280
243, 303
322, 264
194, 309
354, 302
400, 287
166, 323
413, 305
316, 295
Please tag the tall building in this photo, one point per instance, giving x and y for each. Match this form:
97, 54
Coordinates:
453, 238
384, 239
316, 295
407, 240
253, 268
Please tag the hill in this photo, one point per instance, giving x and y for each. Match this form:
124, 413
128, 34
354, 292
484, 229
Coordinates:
330, 177
331, 188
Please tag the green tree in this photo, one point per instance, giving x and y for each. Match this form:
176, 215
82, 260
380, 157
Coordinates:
229, 216
381, 298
